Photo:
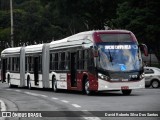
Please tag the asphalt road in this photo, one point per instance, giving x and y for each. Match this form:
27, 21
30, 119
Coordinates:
79, 106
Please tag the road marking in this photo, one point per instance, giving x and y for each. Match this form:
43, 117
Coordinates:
75, 105
65, 101
29, 93
86, 112
17, 90
54, 98
35, 94
43, 95
92, 118
8, 89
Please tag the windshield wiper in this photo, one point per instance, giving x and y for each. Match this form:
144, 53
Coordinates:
110, 56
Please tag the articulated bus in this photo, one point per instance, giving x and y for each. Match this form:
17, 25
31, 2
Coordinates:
88, 61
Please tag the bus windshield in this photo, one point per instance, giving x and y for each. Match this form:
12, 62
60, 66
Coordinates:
119, 57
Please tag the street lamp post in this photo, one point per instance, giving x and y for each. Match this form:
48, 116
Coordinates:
11, 11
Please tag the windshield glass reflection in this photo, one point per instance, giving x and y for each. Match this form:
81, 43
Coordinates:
119, 57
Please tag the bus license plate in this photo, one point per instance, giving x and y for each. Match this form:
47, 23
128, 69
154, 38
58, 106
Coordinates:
124, 87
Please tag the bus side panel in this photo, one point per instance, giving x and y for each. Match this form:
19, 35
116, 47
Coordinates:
14, 78
61, 80
79, 81
68, 81
32, 81
93, 82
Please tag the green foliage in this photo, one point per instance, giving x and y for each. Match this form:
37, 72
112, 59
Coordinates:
4, 37
4, 29
141, 17
44, 20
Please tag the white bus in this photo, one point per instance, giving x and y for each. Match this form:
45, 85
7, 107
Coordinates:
26, 66
89, 61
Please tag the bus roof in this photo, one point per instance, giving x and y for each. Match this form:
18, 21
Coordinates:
33, 48
81, 37
75, 40
28, 49
15, 50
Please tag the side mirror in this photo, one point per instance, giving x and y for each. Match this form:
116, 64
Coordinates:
144, 48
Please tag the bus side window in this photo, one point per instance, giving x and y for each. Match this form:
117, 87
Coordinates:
56, 61
51, 62
78, 59
18, 64
40, 63
85, 59
13, 64
62, 61
67, 62
30, 63
8, 63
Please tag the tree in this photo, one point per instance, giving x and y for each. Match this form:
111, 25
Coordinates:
4, 29
141, 18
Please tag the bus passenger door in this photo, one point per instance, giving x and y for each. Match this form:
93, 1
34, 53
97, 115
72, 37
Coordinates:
73, 70
36, 70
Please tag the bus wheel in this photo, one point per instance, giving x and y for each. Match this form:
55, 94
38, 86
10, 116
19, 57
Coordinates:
54, 85
9, 82
29, 83
126, 92
87, 91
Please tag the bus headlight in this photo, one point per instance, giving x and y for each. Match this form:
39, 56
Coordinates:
103, 77
141, 76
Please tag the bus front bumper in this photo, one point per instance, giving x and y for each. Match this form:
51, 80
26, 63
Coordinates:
105, 85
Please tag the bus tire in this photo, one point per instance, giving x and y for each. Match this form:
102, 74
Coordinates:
87, 91
54, 84
29, 83
126, 92
9, 82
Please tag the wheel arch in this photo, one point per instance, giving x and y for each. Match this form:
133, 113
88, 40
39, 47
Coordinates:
53, 74
8, 77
